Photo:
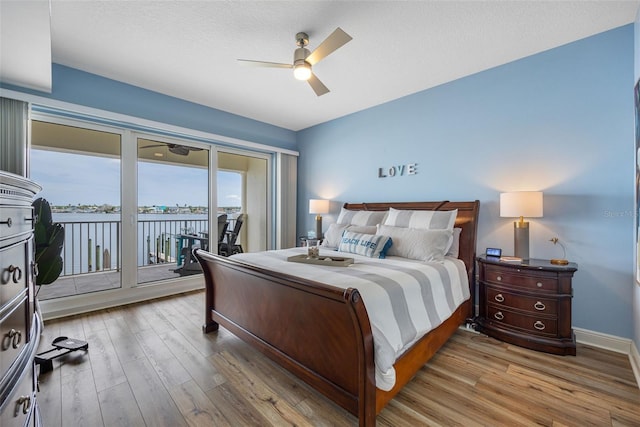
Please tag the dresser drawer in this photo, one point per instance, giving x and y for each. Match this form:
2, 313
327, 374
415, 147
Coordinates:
525, 279
538, 325
13, 332
13, 270
21, 404
536, 305
15, 220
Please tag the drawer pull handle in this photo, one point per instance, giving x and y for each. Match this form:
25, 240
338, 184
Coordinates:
539, 284
499, 298
499, 278
499, 315
16, 273
9, 222
25, 401
15, 337
539, 325
539, 306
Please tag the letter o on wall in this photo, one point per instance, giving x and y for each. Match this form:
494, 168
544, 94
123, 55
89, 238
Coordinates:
392, 171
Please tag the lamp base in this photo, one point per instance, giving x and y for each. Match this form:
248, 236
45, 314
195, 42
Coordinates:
521, 239
559, 261
318, 227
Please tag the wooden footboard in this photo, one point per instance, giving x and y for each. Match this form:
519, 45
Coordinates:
318, 332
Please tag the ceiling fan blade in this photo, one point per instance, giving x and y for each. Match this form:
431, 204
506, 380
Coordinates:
252, 63
336, 40
318, 87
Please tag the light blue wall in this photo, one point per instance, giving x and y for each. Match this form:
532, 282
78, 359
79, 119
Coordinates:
636, 293
80, 88
561, 121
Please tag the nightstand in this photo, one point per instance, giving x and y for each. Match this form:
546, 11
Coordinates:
527, 303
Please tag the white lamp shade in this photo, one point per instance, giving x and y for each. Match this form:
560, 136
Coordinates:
521, 203
318, 206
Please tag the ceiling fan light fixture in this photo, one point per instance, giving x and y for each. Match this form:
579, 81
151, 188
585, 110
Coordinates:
303, 59
302, 70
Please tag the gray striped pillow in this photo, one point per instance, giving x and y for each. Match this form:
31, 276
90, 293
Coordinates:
426, 220
361, 217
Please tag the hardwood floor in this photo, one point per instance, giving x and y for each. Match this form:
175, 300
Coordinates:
149, 364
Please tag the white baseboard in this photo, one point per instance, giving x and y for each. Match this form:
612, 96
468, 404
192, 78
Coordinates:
605, 341
612, 343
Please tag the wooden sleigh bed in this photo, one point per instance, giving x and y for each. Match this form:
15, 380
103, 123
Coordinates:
322, 333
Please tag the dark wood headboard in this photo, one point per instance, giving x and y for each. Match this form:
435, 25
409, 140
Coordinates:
467, 219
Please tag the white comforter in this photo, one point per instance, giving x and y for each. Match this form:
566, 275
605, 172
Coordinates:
404, 299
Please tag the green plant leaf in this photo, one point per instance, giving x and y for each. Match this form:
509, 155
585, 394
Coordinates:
50, 273
49, 241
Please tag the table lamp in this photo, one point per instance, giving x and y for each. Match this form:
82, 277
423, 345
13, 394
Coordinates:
521, 204
318, 206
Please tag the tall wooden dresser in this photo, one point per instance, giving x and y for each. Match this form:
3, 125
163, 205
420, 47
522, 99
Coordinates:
20, 323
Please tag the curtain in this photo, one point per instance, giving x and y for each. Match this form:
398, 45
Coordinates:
13, 136
286, 200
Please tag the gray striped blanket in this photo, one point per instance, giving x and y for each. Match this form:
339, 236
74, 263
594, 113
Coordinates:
404, 299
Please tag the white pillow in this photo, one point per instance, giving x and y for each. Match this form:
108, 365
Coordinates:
413, 243
454, 250
361, 217
425, 220
334, 233
371, 245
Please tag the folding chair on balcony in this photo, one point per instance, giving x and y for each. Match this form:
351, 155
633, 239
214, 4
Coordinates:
231, 246
222, 229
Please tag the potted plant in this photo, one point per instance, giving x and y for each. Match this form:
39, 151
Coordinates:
49, 238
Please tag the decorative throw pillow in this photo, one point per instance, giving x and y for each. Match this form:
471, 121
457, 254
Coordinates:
371, 245
413, 243
426, 220
334, 233
361, 217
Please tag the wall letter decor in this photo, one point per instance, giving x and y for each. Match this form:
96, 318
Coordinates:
408, 169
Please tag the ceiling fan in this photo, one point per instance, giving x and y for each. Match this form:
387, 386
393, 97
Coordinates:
303, 60
181, 150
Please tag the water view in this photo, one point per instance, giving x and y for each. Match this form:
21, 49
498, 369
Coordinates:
92, 240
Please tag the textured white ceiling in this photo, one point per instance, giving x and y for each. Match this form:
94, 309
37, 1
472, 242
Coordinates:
188, 49
25, 44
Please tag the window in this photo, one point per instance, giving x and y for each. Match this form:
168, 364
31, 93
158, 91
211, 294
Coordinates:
126, 200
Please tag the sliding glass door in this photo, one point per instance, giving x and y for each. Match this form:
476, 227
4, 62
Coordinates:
244, 191
79, 169
173, 208
134, 205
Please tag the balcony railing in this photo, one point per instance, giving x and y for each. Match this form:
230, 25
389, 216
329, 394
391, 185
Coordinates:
92, 246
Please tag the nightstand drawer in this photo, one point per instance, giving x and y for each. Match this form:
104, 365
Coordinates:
531, 324
524, 303
525, 280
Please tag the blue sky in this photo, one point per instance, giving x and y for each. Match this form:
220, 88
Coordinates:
72, 179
